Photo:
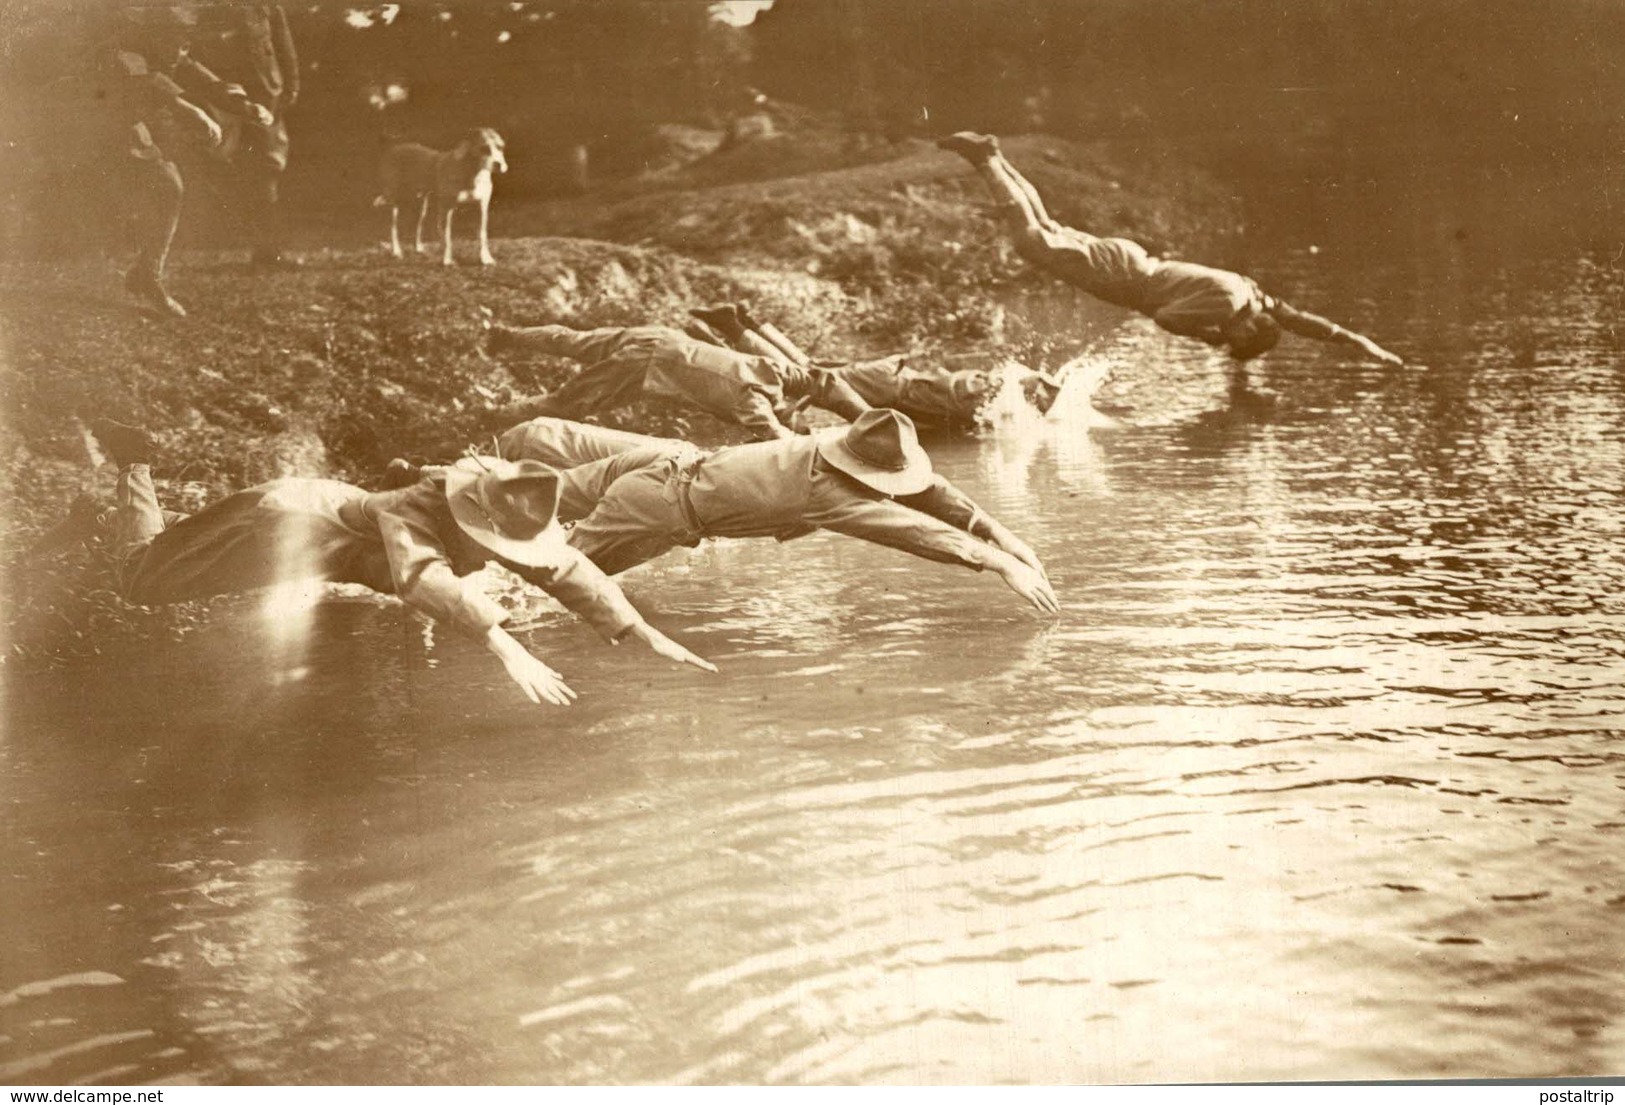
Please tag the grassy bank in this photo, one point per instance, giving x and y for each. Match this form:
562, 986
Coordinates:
335, 367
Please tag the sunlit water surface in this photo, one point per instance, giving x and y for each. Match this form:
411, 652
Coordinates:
1318, 776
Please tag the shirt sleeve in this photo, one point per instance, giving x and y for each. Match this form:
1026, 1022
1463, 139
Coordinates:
946, 503
423, 576
584, 590
889, 522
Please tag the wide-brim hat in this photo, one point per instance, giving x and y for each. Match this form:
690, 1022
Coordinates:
880, 450
510, 507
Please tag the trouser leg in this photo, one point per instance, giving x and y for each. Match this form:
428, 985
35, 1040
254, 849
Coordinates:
137, 520
835, 395
589, 458
636, 518
599, 387
587, 346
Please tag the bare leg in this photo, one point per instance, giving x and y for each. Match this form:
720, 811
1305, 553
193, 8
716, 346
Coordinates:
1015, 195
1003, 165
159, 191
485, 243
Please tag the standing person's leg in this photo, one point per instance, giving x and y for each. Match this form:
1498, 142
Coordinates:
263, 158
156, 187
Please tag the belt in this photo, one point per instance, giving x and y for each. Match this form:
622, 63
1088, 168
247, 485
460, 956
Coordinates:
682, 468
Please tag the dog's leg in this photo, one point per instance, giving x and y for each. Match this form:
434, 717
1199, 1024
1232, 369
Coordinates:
423, 213
485, 244
445, 258
395, 231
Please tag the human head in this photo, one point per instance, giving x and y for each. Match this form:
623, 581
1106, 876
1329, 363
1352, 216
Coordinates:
510, 507
1252, 335
880, 450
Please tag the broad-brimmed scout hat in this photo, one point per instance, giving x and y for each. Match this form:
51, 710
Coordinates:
510, 507
880, 450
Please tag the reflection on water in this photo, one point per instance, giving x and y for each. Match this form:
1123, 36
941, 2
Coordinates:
1319, 776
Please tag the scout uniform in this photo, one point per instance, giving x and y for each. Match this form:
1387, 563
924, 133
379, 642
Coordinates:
635, 497
404, 543
1212, 305
933, 397
625, 363
1194, 301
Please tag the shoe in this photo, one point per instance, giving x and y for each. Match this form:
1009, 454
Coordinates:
727, 320
970, 145
82, 523
126, 445
145, 284
400, 473
498, 338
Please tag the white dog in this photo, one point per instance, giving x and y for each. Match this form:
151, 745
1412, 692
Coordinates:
411, 172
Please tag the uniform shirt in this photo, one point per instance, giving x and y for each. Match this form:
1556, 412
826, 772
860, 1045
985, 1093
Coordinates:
1197, 301
931, 396
781, 489
402, 542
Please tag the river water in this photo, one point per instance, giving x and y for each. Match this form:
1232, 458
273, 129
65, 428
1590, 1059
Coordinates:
1319, 775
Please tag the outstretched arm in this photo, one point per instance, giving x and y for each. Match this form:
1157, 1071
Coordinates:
587, 592
539, 682
889, 522
944, 501
424, 579
1313, 326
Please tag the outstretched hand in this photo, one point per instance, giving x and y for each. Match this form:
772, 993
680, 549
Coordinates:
1372, 349
1029, 583
1023, 552
670, 649
539, 682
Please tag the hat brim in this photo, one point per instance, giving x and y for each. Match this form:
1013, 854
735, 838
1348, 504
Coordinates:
470, 516
911, 479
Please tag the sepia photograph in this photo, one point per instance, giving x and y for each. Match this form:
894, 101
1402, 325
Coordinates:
811, 542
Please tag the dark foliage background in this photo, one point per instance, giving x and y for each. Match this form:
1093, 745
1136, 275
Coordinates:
1478, 79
